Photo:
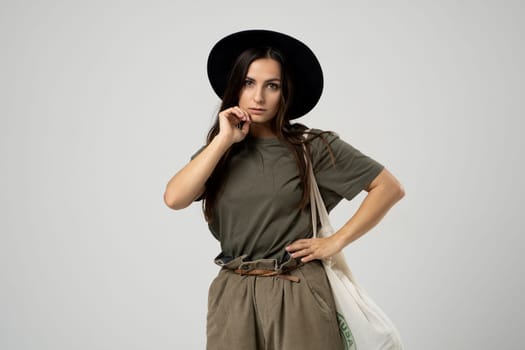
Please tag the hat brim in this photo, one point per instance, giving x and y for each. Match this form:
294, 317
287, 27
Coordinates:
303, 66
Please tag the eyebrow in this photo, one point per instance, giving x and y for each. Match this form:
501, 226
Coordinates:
266, 81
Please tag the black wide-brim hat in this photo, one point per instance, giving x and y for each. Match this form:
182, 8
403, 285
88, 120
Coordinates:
304, 68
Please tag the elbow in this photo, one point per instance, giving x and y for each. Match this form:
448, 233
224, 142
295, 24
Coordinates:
178, 197
398, 191
389, 187
173, 202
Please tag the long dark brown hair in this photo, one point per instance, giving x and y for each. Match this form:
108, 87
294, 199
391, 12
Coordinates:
290, 134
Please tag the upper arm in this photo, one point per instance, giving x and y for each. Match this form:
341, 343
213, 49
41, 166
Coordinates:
198, 197
386, 179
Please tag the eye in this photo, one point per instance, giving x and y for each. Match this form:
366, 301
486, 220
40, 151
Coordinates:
248, 82
273, 86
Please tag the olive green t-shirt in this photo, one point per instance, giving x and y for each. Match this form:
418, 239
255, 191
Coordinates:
257, 213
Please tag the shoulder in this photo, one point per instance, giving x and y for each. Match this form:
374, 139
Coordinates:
314, 134
326, 147
320, 141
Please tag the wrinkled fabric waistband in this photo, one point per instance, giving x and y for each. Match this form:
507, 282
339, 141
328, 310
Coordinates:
243, 263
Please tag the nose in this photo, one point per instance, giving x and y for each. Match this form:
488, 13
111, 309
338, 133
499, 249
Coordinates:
258, 95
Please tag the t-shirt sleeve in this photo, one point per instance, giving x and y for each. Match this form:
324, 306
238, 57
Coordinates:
352, 172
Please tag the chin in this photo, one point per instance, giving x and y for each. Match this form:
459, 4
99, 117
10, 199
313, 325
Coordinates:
261, 119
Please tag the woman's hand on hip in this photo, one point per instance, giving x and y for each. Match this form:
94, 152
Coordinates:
234, 124
309, 249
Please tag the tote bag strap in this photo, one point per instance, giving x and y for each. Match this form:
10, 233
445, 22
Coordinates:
317, 206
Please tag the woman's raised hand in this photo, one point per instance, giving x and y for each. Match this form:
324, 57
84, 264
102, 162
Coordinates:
234, 124
189, 183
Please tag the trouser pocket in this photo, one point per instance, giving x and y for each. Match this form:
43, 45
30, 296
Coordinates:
314, 277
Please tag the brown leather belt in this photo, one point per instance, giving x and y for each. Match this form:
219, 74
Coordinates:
267, 273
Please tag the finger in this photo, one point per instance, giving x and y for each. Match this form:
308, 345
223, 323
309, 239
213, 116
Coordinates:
299, 244
245, 127
231, 119
239, 112
245, 113
301, 253
231, 114
226, 112
308, 258
247, 116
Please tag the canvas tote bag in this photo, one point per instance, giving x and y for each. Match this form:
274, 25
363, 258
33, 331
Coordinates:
363, 325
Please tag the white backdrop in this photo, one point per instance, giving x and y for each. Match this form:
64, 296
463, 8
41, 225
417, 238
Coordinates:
103, 101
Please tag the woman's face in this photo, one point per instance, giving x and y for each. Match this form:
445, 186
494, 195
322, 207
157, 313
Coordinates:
261, 93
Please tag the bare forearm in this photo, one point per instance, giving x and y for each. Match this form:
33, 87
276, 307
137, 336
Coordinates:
189, 182
383, 192
373, 208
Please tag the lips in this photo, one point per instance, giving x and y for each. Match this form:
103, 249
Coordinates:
257, 110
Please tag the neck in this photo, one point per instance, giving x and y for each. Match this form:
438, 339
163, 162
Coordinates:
262, 131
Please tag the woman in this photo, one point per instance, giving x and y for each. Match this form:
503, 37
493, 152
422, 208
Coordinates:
272, 292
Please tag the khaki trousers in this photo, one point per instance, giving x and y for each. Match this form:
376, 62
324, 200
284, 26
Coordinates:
270, 313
